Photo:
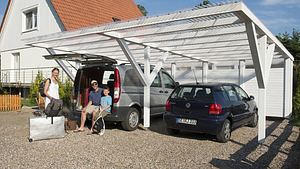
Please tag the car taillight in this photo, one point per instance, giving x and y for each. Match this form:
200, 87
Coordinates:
117, 86
168, 106
215, 109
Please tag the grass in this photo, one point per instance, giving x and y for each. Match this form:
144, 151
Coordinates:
28, 102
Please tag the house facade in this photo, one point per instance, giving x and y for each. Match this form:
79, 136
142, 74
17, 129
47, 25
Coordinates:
32, 18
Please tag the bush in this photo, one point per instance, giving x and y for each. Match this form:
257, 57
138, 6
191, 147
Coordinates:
65, 90
34, 89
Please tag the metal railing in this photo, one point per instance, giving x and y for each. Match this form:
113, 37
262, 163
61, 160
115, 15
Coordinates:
28, 75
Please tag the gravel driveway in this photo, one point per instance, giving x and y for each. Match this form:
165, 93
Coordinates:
151, 148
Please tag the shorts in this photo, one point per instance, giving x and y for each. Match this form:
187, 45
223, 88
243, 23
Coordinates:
90, 109
102, 114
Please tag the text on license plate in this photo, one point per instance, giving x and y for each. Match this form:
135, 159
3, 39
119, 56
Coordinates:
186, 121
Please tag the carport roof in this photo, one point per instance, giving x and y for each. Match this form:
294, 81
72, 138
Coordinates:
215, 33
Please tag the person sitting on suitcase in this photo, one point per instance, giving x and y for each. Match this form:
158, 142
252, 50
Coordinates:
92, 106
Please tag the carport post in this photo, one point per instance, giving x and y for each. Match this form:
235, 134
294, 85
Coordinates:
146, 77
262, 55
288, 87
147, 87
204, 72
173, 70
242, 68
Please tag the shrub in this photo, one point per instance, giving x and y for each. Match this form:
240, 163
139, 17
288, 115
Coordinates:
34, 88
65, 90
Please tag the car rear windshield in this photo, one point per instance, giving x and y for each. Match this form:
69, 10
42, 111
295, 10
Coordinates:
202, 94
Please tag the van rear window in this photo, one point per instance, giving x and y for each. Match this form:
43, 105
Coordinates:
203, 94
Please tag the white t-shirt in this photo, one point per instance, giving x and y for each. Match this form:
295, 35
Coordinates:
52, 91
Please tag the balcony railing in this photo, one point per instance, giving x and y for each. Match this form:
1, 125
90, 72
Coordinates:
28, 75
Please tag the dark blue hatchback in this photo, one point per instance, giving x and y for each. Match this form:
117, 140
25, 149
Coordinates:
213, 108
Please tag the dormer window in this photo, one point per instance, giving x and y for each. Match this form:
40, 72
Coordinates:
30, 19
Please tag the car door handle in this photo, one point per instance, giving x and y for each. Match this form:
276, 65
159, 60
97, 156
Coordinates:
166, 92
161, 91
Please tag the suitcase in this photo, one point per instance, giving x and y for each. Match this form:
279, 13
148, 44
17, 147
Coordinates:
41, 128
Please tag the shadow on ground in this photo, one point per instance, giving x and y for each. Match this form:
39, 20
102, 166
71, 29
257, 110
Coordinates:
239, 159
158, 126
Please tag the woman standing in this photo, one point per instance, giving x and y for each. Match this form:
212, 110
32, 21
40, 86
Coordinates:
51, 89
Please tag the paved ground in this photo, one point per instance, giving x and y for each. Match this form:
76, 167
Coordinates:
147, 149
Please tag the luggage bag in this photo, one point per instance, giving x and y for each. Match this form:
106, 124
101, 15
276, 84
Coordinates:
41, 128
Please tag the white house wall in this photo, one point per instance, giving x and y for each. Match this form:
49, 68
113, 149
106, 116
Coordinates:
275, 91
12, 35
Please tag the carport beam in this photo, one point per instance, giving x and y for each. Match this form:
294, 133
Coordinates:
62, 64
132, 60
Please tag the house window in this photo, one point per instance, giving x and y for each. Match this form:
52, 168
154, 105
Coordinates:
30, 19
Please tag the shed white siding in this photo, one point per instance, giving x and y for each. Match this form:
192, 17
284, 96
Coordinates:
275, 91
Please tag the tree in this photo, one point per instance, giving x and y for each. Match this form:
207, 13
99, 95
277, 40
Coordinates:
203, 3
142, 9
65, 90
292, 43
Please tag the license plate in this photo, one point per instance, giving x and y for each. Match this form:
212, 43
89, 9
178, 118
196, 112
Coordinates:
186, 121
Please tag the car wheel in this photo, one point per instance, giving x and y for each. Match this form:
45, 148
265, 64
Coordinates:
132, 120
225, 133
172, 131
254, 120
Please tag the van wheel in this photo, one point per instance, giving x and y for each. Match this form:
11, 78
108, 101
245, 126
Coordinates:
172, 131
132, 120
225, 133
254, 121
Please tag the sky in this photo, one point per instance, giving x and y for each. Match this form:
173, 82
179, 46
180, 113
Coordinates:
279, 16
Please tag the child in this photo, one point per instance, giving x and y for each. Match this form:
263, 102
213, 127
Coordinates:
106, 102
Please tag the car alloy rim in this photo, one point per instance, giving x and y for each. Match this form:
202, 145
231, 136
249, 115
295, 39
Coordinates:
133, 119
227, 131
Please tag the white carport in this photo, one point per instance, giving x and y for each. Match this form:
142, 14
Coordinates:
219, 34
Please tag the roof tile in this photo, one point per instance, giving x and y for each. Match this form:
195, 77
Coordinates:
76, 14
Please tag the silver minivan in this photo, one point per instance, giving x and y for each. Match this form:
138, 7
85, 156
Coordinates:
126, 90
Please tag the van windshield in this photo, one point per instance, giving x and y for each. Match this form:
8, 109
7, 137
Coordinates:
202, 94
